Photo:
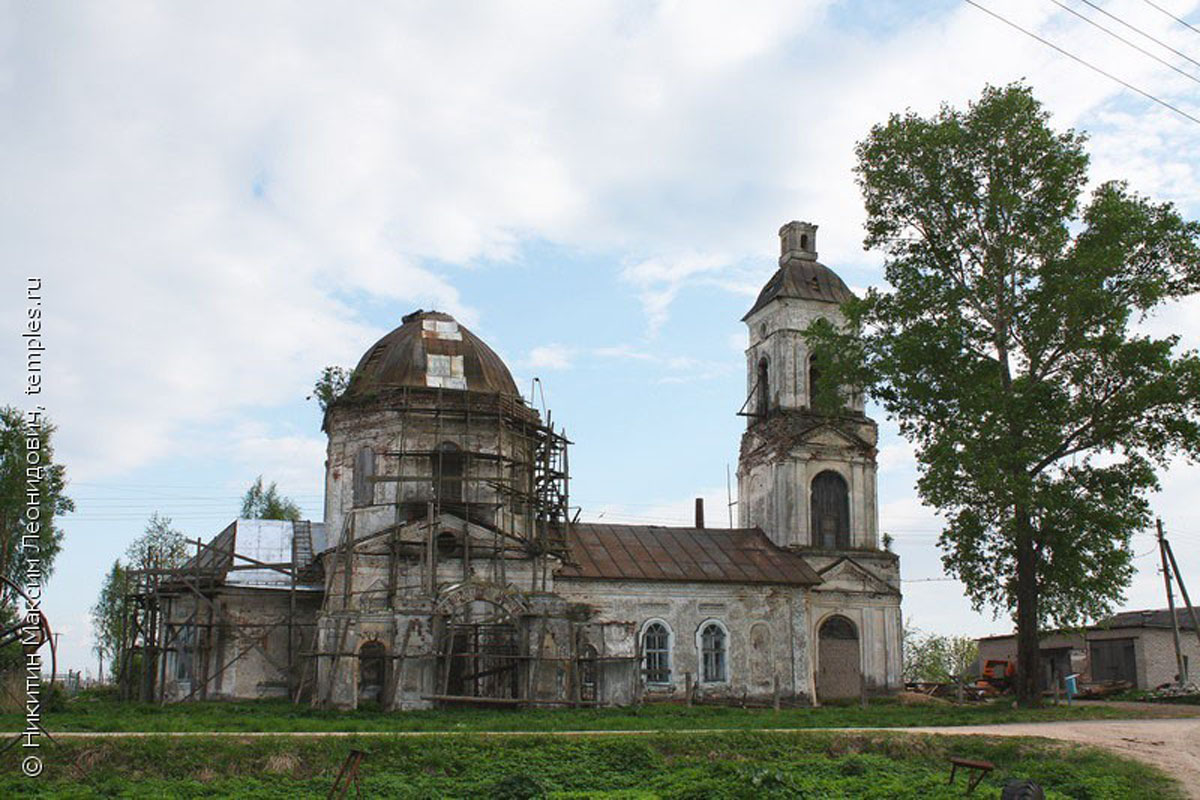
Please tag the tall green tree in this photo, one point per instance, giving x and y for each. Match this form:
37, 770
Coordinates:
1010, 350
160, 546
18, 456
261, 502
109, 618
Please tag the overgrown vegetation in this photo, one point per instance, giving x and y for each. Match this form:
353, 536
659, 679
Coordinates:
936, 658
92, 712
332, 384
710, 766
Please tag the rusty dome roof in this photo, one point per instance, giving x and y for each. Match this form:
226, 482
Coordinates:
803, 279
430, 349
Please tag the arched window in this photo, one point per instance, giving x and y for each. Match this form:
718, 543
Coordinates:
804, 241
830, 511
762, 388
364, 470
448, 472
588, 657
714, 644
656, 651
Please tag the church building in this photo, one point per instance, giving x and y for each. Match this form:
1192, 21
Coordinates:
450, 566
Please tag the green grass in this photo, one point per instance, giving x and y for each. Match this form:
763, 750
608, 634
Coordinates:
89, 713
735, 764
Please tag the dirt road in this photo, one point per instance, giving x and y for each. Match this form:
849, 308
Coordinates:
1172, 745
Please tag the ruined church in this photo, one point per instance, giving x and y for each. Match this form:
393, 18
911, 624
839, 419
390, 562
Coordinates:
450, 566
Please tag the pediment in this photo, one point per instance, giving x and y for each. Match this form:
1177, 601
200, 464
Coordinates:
415, 530
847, 575
830, 437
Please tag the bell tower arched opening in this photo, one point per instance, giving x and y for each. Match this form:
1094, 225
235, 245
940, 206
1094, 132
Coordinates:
830, 511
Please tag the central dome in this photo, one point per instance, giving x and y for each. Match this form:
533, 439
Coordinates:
431, 350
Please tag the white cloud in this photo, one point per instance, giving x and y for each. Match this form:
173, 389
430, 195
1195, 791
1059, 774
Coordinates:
203, 186
549, 357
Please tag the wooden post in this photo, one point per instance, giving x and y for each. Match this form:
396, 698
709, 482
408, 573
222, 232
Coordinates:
1182, 589
1181, 665
430, 554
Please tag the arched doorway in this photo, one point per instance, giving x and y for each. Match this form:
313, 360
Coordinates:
372, 673
481, 654
839, 666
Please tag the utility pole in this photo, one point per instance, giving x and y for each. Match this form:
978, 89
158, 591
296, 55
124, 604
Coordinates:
54, 673
1187, 601
1162, 551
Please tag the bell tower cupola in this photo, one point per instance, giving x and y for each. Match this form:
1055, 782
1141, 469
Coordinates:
797, 240
806, 478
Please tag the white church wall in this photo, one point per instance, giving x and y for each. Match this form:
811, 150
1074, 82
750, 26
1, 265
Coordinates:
755, 617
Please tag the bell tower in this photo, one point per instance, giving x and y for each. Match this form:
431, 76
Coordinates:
806, 478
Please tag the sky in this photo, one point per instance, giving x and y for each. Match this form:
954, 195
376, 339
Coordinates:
223, 198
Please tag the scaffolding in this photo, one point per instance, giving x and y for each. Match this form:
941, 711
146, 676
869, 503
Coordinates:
474, 491
151, 631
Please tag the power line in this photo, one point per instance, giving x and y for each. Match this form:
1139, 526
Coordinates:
1089, 65
1121, 38
1141, 32
1184, 23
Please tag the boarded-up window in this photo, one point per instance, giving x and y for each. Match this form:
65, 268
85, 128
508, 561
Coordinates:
713, 642
830, 511
364, 470
761, 663
185, 652
448, 472
656, 648
372, 671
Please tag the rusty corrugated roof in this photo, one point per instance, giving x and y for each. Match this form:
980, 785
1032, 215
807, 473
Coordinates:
709, 555
805, 280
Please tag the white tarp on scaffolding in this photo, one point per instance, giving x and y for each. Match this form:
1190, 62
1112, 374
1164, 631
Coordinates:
268, 541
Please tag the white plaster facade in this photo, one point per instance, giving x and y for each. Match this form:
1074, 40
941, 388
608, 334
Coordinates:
787, 445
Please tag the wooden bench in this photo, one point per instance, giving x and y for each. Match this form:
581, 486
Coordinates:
977, 769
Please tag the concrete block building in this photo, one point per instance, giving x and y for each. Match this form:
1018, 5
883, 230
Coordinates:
1133, 646
450, 566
